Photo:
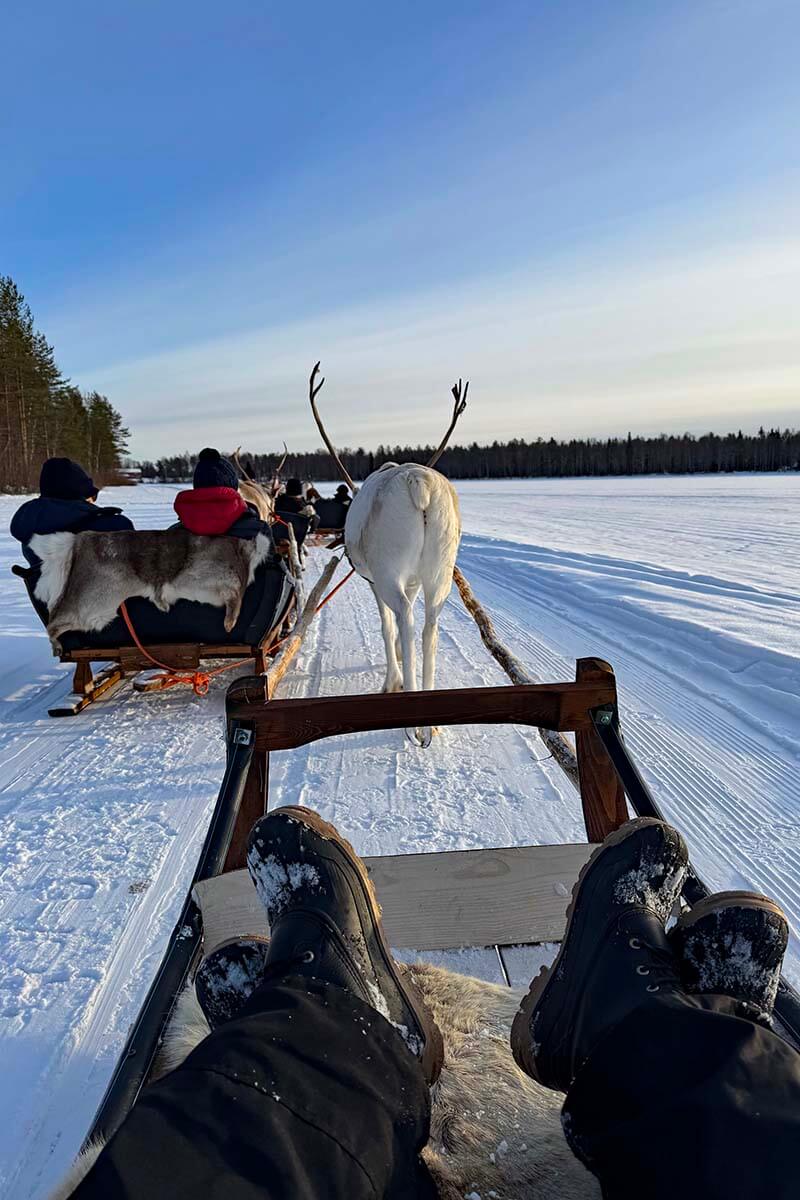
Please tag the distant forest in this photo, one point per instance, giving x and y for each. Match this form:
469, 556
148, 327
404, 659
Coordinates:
41, 413
679, 454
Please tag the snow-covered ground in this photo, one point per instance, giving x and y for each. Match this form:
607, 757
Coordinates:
689, 586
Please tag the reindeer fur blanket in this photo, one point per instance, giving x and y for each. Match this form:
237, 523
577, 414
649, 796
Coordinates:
86, 576
494, 1132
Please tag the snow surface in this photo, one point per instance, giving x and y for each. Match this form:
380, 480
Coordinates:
689, 586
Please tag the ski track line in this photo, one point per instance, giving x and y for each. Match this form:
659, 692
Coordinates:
723, 786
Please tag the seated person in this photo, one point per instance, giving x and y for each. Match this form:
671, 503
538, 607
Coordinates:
292, 500
66, 504
214, 506
342, 495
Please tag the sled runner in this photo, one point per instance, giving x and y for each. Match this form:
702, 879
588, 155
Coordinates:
496, 898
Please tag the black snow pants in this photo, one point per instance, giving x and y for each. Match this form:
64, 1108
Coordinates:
309, 1095
686, 1098
313, 1096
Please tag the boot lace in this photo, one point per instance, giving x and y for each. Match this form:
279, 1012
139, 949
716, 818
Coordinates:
659, 969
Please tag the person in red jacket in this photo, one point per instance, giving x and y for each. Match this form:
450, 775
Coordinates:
213, 506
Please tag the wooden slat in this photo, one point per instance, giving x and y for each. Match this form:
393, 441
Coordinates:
602, 794
252, 807
434, 901
286, 724
477, 897
167, 652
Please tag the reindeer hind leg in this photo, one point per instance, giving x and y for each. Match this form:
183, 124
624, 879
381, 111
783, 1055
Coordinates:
393, 681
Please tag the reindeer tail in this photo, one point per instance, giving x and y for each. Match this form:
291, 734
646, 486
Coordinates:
420, 488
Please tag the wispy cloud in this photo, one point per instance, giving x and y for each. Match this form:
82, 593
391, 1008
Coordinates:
634, 340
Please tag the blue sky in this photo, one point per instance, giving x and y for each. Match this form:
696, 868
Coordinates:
589, 209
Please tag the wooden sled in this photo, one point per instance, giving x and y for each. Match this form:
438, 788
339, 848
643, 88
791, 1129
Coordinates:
183, 638
495, 898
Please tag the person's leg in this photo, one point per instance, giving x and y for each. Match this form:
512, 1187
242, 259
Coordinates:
318, 1085
687, 1096
310, 1095
667, 1089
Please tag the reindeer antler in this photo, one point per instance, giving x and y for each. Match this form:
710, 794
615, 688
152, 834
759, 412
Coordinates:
239, 467
313, 392
275, 481
459, 404
280, 465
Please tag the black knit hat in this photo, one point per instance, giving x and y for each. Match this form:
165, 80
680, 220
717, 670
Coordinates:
63, 479
213, 470
294, 487
342, 492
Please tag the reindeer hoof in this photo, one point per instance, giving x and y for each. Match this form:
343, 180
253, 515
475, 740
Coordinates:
421, 736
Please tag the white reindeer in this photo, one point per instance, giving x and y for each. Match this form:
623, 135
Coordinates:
401, 534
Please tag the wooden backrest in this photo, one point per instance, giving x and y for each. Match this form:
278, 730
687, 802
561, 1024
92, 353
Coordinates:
286, 724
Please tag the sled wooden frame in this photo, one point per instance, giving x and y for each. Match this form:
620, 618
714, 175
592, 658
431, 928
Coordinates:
288, 724
88, 687
125, 661
255, 725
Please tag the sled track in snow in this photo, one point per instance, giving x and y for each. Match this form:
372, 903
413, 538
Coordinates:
730, 788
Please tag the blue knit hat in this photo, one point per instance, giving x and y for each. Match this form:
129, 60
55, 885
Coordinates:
63, 479
213, 470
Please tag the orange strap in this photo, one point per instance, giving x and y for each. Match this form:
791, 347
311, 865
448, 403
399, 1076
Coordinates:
200, 681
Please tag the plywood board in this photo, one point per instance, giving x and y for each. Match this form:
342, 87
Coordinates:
435, 901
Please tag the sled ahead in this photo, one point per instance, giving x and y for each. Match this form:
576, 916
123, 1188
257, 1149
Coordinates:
188, 634
496, 898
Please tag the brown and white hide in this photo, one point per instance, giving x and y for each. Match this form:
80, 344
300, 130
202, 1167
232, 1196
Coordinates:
86, 576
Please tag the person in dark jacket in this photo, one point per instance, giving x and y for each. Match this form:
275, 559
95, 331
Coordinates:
342, 494
292, 499
213, 506
66, 504
314, 1081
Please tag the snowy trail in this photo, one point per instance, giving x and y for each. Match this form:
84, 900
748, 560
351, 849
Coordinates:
690, 587
707, 652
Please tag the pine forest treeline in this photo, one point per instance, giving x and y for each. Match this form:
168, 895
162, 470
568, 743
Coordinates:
672, 454
41, 413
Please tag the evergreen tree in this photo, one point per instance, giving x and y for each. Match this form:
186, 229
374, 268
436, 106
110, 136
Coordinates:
41, 413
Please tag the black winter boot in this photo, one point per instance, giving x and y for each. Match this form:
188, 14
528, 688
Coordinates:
228, 977
325, 923
733, 944
614, 957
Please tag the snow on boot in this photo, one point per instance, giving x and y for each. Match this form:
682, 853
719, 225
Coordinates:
733, 944
325, 923
615, 955
228, 977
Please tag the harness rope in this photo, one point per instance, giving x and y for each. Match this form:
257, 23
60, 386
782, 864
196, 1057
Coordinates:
200, 681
